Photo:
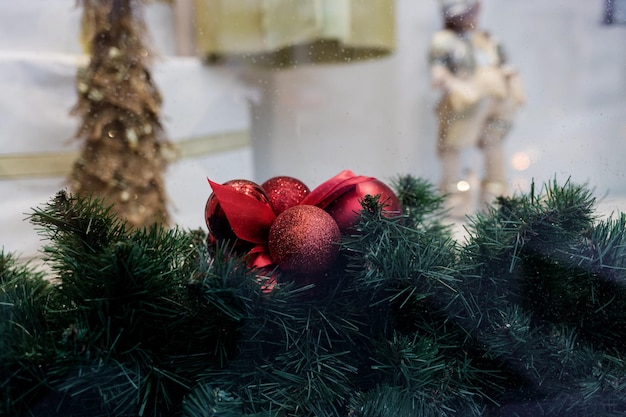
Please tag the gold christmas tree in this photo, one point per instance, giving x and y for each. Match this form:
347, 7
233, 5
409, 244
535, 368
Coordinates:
124, 154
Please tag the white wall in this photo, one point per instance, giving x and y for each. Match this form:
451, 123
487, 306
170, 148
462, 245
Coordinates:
575, 69
376, 117
373, 117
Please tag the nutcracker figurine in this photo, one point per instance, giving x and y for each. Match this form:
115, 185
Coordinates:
480, 94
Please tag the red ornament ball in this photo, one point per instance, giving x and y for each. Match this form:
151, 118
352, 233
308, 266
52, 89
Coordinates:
303, 239
345, 209
215, 217
284, 192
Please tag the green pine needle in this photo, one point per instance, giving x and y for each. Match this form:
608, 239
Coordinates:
524, 318
25, 345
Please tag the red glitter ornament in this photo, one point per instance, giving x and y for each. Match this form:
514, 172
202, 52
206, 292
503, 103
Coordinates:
303, 239
216, 219
284, 192
345, 209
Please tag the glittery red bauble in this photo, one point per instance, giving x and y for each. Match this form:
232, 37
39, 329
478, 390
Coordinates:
284, 192
345, 209
216, 219
303, 239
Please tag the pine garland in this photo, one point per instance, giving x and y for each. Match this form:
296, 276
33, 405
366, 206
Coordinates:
524, 318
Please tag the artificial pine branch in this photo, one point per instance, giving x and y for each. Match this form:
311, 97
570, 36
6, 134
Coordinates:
206, 401
131, 330
543, 294
24, 339
292, 357
422, 204
524, 319
391, 401
415, 274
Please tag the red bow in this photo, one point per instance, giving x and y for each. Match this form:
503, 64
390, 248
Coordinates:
251, 219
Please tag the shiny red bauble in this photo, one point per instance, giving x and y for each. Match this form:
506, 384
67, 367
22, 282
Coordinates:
215, 217
304, 239
284, 192
345, 209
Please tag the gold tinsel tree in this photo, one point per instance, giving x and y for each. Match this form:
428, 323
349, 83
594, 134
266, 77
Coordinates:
124, 154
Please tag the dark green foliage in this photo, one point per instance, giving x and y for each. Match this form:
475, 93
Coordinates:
135, 315
550, 279
392, 401
420, 201
406, 277
294, 355
24, 341
525, 318
207, 401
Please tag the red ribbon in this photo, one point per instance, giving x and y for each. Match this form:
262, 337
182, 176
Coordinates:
332, 189
251, 219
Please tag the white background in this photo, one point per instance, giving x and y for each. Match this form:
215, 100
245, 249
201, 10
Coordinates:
311, 122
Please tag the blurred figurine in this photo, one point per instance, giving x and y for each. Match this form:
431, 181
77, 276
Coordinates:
480, 94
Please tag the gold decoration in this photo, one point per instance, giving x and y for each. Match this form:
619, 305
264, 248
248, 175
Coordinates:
121, 160
285, 33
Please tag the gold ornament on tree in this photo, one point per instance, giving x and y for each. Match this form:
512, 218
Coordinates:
124, 154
